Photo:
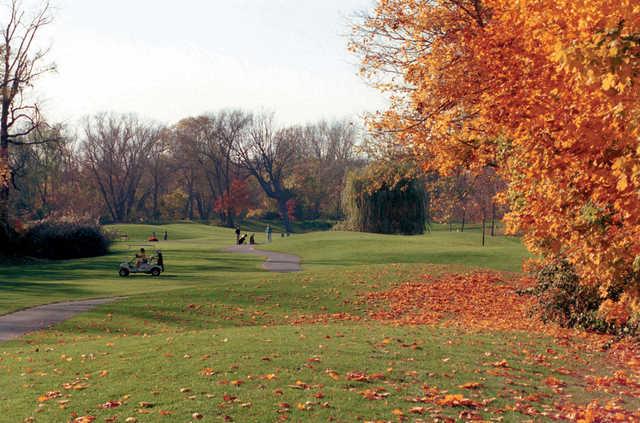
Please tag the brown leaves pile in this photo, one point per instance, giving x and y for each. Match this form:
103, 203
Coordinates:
480, 300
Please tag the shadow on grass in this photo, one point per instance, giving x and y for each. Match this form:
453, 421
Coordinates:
42, 289
196, 309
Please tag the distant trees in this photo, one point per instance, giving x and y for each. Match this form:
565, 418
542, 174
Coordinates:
118, 151
466, 196
328, 149
189, 137
122, 168
205, 152
226, 129
216, 166
43, 172
268, 154
228, 165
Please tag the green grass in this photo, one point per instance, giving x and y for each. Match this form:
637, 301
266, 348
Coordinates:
258, 226
344, 249
219, 311
192, 256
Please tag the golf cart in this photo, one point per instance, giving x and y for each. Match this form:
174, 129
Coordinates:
152, 266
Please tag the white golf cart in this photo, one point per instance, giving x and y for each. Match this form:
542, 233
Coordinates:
153, 266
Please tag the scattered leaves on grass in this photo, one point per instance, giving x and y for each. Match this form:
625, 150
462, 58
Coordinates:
470, 385
111, 404
374, 394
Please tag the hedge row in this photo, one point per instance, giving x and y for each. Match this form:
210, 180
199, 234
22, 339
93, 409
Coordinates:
60, 240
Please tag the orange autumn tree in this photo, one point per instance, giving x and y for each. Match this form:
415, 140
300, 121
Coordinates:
545, 91
234, 202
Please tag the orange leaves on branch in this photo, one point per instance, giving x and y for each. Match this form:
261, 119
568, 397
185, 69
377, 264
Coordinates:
236, 200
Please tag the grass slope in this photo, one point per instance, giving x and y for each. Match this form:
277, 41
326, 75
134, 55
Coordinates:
215, 335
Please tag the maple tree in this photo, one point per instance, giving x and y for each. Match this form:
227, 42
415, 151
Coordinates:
546, 92
235, 201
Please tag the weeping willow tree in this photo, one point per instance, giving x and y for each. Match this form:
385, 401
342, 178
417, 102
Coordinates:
386, 198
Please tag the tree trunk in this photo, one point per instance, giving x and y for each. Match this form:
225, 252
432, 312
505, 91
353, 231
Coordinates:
4, 164
483, 229
230, 222
464, 215
4, 188
156, 195
284, 213
493, 219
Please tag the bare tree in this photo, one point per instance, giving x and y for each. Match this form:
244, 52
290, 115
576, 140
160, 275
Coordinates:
117, 150
327, 153
268, 154
37, 169
159, 172
21, 64
222, 137
188, 137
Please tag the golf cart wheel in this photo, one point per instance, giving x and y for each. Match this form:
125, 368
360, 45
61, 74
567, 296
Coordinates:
155, 272
124, 273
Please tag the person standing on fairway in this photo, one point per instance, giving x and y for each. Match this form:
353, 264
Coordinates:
237, 234
268, 232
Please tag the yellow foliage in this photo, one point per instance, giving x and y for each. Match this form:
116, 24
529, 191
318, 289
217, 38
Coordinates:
546, 91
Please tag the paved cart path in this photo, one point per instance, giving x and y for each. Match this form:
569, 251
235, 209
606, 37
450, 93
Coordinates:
21, 322
276, 262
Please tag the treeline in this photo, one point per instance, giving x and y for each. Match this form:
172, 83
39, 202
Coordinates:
223, 166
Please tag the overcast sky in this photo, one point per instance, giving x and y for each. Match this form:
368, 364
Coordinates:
166, 60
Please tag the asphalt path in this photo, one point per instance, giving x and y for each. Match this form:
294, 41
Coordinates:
275, 262
16, 324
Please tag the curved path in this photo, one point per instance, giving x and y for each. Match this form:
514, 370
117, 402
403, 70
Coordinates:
21, 322
276, 262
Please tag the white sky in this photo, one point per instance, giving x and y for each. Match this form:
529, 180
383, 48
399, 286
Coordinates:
166, 60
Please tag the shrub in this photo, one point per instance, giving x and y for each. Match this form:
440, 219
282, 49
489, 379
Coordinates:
62, 240
564, 300
8, 239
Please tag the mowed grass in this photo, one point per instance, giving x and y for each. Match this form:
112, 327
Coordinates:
344, 249
193, 257
215, 335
